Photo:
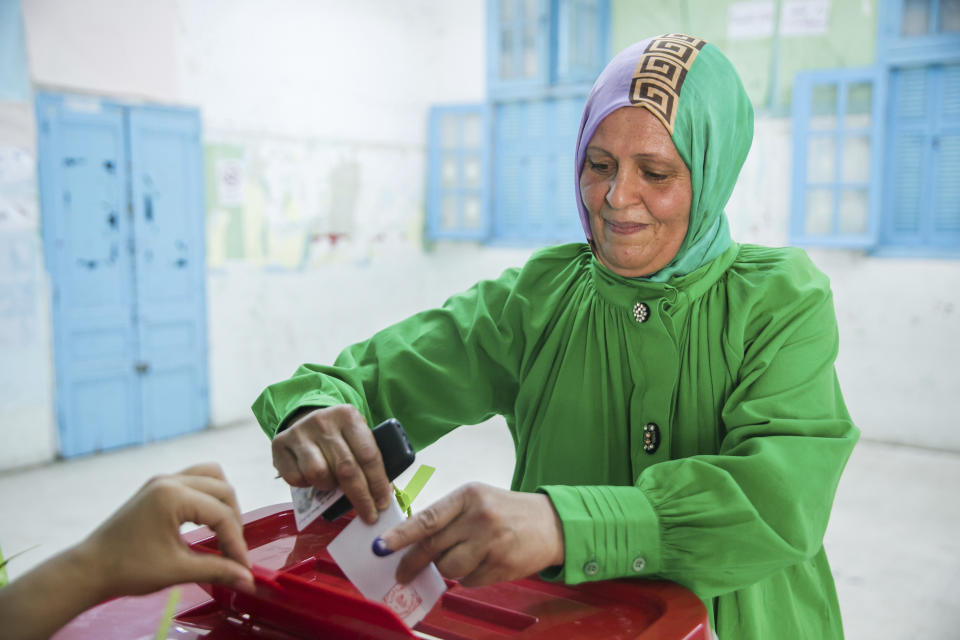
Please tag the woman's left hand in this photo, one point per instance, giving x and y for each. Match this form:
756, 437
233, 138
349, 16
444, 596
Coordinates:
480, 535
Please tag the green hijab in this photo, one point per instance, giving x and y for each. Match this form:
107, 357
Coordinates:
691, 87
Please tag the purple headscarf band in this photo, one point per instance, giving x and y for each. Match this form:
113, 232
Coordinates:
647, 74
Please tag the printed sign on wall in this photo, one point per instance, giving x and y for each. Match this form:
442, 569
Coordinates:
805, 17
750, 20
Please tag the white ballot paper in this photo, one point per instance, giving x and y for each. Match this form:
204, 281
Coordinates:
309, 503
374, 576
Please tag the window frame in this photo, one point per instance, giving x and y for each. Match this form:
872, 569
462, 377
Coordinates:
547, 82
435, 189
803, 86
925, 240
560, 45
894, 52
893, 48
519, 85
562, 76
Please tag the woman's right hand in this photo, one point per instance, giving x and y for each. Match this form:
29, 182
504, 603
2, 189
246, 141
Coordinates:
333, 447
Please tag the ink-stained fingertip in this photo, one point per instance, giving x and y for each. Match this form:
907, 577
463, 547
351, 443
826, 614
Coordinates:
380, 547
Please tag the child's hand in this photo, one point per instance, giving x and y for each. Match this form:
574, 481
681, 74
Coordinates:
139, 549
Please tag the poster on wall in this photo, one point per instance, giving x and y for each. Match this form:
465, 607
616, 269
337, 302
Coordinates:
750, 20
756, 19
292, 204
805, 17
230, 181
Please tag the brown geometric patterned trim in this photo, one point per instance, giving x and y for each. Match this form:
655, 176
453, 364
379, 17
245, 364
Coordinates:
660, 72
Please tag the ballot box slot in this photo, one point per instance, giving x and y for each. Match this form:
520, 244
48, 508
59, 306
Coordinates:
322, 571
489, 613
460, 617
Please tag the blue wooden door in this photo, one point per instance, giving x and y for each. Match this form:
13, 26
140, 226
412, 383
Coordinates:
122, 203
87, 244
168, 221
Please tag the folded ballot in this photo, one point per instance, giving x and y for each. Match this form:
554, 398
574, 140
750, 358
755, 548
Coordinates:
374, 576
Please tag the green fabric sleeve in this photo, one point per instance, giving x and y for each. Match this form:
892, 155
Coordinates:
608, 532
434, 371
717, 523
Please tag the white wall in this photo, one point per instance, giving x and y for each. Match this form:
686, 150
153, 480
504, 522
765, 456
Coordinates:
899, 345
103, 46
363, 70
320, 108
26, 366
326, 103
265, 323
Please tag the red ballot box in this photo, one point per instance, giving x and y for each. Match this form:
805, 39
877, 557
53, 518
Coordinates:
301, 593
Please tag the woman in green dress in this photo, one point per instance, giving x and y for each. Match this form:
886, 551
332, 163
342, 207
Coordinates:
671, 394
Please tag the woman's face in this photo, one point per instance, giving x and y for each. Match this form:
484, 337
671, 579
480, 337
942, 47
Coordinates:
636, 189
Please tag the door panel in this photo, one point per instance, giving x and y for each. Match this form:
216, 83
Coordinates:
87, 234
168, 214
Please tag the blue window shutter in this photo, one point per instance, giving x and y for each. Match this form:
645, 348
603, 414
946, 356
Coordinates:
515, 122
534, 177
542, 57
946, 219
922, 197
837, 142
906, 186
457, 170
946, 199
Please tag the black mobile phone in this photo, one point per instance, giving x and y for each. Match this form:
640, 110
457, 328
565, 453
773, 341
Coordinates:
398, 455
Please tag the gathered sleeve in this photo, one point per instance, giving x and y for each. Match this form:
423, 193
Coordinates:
718, 523
433, 371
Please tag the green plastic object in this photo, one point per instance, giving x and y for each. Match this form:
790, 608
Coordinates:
3, 570
168, 611
409, 493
